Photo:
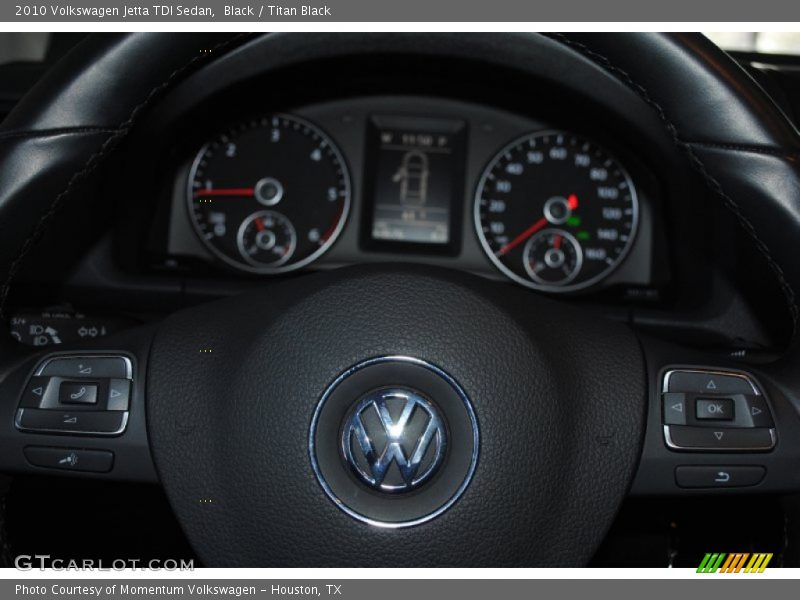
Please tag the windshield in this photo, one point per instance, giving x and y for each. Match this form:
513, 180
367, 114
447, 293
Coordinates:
773, 42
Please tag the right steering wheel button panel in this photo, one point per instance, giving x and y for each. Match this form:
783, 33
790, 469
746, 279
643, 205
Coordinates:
715, 411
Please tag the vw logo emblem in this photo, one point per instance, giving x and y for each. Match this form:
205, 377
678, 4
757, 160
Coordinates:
394, 439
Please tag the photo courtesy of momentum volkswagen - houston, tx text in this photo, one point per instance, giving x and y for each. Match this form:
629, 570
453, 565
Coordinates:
168, 589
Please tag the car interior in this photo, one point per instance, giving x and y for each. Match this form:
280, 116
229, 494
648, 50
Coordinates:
553, 276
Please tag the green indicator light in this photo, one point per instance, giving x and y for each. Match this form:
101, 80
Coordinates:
583, 235
574, 221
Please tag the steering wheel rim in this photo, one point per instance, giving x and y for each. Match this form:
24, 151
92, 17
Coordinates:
734, 122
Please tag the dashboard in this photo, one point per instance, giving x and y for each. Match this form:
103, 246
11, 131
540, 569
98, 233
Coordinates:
414, 178
529, 174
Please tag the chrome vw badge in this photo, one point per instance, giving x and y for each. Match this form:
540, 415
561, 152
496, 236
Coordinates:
394, 439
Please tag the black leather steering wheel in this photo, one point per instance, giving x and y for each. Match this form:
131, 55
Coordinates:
220, 399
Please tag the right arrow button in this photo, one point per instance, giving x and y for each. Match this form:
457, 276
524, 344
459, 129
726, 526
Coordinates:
119, 392
758, 411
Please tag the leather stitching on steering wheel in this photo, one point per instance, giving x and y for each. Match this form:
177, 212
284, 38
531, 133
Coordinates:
695, 162
767, 150
108, 146
42, 133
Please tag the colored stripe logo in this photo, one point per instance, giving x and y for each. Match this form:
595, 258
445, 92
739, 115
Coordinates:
738, 562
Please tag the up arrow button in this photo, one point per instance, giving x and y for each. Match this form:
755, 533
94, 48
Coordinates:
701, 381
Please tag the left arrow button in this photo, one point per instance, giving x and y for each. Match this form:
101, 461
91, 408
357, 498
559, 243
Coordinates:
34, 392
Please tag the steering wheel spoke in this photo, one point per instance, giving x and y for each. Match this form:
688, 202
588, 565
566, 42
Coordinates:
78, 411
715, 425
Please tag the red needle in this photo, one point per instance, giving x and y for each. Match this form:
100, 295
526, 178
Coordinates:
226, 192
557, 242
572, 201
259, 224
522, 237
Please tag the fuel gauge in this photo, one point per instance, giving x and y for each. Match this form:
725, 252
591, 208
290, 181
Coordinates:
266, 239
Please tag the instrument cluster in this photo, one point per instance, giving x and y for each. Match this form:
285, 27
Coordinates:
419, 179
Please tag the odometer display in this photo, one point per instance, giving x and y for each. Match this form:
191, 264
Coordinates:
270, 195
555, 211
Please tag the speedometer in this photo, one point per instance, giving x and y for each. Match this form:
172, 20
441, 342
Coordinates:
555, 211
270, 195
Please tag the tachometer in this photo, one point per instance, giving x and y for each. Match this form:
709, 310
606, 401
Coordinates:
270, 195
555, 211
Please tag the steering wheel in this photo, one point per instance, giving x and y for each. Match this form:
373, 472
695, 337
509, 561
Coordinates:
402, 415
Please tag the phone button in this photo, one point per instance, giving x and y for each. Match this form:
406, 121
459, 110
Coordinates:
75, 392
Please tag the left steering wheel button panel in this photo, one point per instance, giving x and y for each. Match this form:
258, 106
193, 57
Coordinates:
77, 395
70, 459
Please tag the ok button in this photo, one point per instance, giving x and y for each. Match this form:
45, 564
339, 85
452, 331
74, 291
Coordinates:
718, 409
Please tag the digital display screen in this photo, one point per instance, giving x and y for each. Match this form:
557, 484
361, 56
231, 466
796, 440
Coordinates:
417, 179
